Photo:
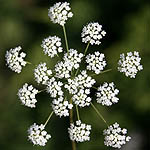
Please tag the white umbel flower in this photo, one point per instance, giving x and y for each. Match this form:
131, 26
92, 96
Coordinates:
73, 58
92, 33
106, 94
79, 132
96, 62
27, 95
60, 12
37, 135
61, 107
115, 136
70, 61
82, 81
81, 98
42, 73
62, 70
130, 64
54, 87
15, 59
52, 45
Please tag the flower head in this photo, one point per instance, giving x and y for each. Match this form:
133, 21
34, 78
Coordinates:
60, 12
70, 61
79, 132
96, 62
106, 94
27, 95
115, 136
42, 73
130, 64
92, 33
37, 135
61, 107
52, 45
15, 59
81, 98
54, 87
82, 81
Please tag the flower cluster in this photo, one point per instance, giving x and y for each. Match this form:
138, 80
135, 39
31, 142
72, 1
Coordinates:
27, 95
67, 84
37, 135
60, 13
54, 87
15, 59
130, 64
79, 132
82, 81
70, 61
115, 136
92, 33
80, 88
106, 94
52, 45
42, 73
61, 107
95, 62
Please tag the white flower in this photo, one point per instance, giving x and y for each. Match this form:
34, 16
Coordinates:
106, 94
60, 12
79, 132
37, 135
54, 87
82, 81
92, 33
27, 95
115, 136
96, 62
73, 58
61, 107
62, 70
52, 45
15, 59
81, 99
130, 64
70, 61
42, 73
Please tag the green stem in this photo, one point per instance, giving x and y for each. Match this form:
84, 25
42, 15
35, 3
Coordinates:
101, 72
76, 72
71, 121
94, 87
41, 90
50, 115
86, 48
77, 112
28, 62
99, 114
66, 41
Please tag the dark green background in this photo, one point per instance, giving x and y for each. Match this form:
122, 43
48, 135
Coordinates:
26, 23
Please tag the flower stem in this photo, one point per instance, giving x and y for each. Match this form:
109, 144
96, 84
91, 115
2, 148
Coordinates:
66, 41
77, 112
101, 72
86, 48
41, 90
94, 87
50, 115
99, 114
28, 62
71, 121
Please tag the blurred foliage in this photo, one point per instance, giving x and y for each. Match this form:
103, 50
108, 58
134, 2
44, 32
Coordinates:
25, 22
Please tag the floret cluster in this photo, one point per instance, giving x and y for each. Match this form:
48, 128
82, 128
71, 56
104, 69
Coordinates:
37, 135
115, 136
79, 132
69, 82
